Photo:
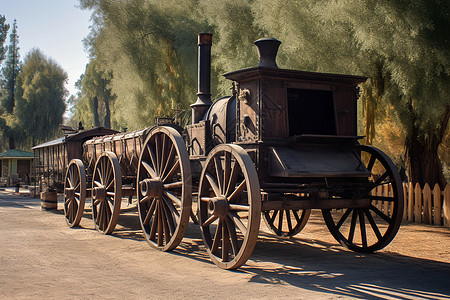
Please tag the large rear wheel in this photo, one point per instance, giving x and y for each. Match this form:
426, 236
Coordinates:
164, 188
368, 229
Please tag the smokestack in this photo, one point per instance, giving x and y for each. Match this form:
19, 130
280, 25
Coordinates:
267, 50
200, 107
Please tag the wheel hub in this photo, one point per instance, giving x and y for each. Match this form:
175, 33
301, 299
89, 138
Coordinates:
218, 206
70, 193
99, 193
151, 187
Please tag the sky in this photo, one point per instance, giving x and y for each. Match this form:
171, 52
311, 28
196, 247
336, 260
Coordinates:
56, 27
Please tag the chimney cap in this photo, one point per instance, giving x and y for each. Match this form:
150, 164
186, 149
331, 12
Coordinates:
267, 50
205, 39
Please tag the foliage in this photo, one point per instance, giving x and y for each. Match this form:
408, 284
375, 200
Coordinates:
40, 98
4, 28
11, 71
401, 45
94, 86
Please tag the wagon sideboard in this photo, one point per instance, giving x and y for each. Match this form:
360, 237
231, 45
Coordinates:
51, 158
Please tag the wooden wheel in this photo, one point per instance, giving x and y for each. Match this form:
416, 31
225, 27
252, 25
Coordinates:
288, 222
164, 188
229, 206
106, 192
371, 228
74, 192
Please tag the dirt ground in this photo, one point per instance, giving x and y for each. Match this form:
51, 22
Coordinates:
40, 257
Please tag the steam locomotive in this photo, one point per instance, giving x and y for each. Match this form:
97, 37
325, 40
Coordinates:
285, 142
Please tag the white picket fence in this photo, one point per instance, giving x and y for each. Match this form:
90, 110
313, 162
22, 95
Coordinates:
427, 206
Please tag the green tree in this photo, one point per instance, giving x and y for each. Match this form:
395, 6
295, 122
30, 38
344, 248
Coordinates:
11, 71
401, 45
4, 28
95, 95
40, 97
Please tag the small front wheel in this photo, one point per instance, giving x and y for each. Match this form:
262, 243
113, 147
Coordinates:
74, 192
106, 192
286, 222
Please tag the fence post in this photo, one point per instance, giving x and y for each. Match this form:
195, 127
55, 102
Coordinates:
405, 199
437, 204
417, 204
385, 204
446, 206
410, 202
427, 204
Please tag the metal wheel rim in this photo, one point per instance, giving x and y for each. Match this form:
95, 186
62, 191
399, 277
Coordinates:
370, 220
240, 239
165, 217
107, 173
75, 180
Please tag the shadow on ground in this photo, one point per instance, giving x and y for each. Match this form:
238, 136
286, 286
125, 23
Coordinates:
310, 264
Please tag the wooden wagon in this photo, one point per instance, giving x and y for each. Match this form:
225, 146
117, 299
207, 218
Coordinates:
284, 143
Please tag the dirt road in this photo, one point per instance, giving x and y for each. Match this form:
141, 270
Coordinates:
40, 257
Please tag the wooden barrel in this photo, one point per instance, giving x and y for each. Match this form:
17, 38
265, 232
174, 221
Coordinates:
49, 200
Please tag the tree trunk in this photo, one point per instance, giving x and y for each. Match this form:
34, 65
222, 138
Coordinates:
95, 112
12, 145
107, 120
424, 164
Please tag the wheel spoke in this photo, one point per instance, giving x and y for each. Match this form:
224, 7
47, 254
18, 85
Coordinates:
362, 226
172, 208
154, 225
237, 221
381, 214
226, 172
210, 220
213, 184
238, 207
288, 219
380, 180
280, 221
219, 173
371, 162
149, 169
150, 212
173, 198
158, 153
232, 234
352, 227
373, 224
274, 215
169, 160
97, 183
344, 217
145, 199
225, 241
237, 192
172, 171
233, 178
173, 185
217, 238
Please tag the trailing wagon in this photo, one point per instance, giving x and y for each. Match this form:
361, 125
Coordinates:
285, 142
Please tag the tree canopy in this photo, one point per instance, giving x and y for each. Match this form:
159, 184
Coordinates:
401, 45
40, 97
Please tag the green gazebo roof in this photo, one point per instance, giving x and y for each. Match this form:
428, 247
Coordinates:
16, 153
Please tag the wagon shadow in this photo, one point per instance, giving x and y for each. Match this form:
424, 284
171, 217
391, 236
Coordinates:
324, 267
